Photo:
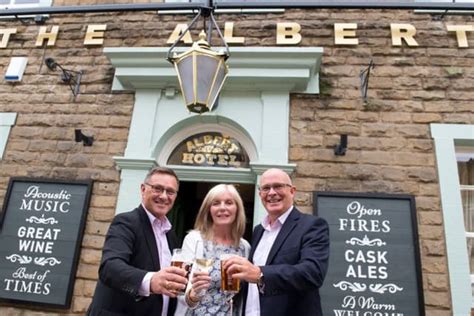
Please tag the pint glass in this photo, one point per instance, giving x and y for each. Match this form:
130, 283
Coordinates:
228, 284
181, 261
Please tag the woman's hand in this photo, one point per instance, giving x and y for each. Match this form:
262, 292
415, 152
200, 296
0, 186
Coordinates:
201, 282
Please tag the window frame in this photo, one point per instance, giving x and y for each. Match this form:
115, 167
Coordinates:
445, 12
13, 5
462, 156
445, 136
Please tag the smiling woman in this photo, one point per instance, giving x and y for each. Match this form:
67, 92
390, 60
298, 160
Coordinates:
219, 226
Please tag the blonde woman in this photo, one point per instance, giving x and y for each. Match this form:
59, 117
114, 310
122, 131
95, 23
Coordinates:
219, 227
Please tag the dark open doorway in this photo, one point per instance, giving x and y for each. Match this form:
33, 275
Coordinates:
190, 197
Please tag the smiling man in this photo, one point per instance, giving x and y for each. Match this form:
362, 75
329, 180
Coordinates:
135, 277
289, 256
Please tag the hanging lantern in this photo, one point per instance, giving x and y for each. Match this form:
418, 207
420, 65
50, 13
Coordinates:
201, 74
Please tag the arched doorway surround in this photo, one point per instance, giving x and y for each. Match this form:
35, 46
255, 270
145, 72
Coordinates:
253, 107
204, 123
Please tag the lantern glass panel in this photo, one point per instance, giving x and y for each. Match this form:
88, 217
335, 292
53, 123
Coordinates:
206, 71
185, 71
220, 77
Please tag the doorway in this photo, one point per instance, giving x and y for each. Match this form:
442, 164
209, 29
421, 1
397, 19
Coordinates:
189, 200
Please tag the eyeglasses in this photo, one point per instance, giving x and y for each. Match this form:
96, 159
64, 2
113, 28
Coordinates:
158, 189
277, 187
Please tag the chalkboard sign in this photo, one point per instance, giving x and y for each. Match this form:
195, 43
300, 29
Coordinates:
374, 265
40, 239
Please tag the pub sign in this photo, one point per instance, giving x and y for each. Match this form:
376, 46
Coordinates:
40, 239
210, 149
374, 264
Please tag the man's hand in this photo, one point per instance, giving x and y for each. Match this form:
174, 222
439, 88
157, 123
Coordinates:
241, 268
168, 281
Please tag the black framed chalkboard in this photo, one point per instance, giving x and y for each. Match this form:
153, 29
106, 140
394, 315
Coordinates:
40, 240
374, 265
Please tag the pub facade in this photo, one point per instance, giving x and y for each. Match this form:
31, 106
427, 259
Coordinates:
371, 111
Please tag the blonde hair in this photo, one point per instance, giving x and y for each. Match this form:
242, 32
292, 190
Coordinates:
204, 219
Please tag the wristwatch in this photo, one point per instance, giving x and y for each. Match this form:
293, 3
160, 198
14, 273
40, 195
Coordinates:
261, 283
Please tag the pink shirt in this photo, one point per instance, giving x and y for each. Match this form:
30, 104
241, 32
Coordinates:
160, 228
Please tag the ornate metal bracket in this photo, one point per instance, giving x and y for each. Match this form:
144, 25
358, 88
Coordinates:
364, 80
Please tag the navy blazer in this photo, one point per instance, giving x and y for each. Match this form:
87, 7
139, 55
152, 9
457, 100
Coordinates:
129, 253
296, 266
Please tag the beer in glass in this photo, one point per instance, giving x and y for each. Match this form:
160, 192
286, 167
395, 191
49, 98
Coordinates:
228, 284
180, 260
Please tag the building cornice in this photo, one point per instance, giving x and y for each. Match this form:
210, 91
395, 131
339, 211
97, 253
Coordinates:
293, 69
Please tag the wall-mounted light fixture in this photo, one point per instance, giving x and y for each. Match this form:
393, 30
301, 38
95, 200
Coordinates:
201, 71
340, 149
364, 76
71, 77
80, 137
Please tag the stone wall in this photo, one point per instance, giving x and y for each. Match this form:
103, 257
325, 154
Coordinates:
390, 148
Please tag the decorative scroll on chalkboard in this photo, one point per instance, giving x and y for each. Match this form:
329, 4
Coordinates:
374, 266
40, 239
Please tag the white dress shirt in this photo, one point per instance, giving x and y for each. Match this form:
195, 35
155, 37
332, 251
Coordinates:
160, 228
260, 256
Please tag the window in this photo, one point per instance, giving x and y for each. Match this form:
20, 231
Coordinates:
23, 4
18, 4
454, 147
444, 11
465, 159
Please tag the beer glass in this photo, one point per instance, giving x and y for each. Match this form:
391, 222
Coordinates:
229, 285
180, 260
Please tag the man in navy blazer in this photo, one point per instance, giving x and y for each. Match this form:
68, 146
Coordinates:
134, 274
289, 257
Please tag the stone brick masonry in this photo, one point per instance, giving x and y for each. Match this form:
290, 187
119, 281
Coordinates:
390, 147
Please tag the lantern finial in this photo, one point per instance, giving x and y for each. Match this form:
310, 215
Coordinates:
202, 42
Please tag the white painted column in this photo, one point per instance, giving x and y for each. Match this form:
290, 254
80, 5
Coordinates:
140, 137
275, 131
138, 160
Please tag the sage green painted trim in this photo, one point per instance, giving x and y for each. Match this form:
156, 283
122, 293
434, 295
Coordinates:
261, 168
134, 163
178, 132
294, 69
254, 107
216, 174
6, 122
144, 115
275, 124
444, 136
133, 172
